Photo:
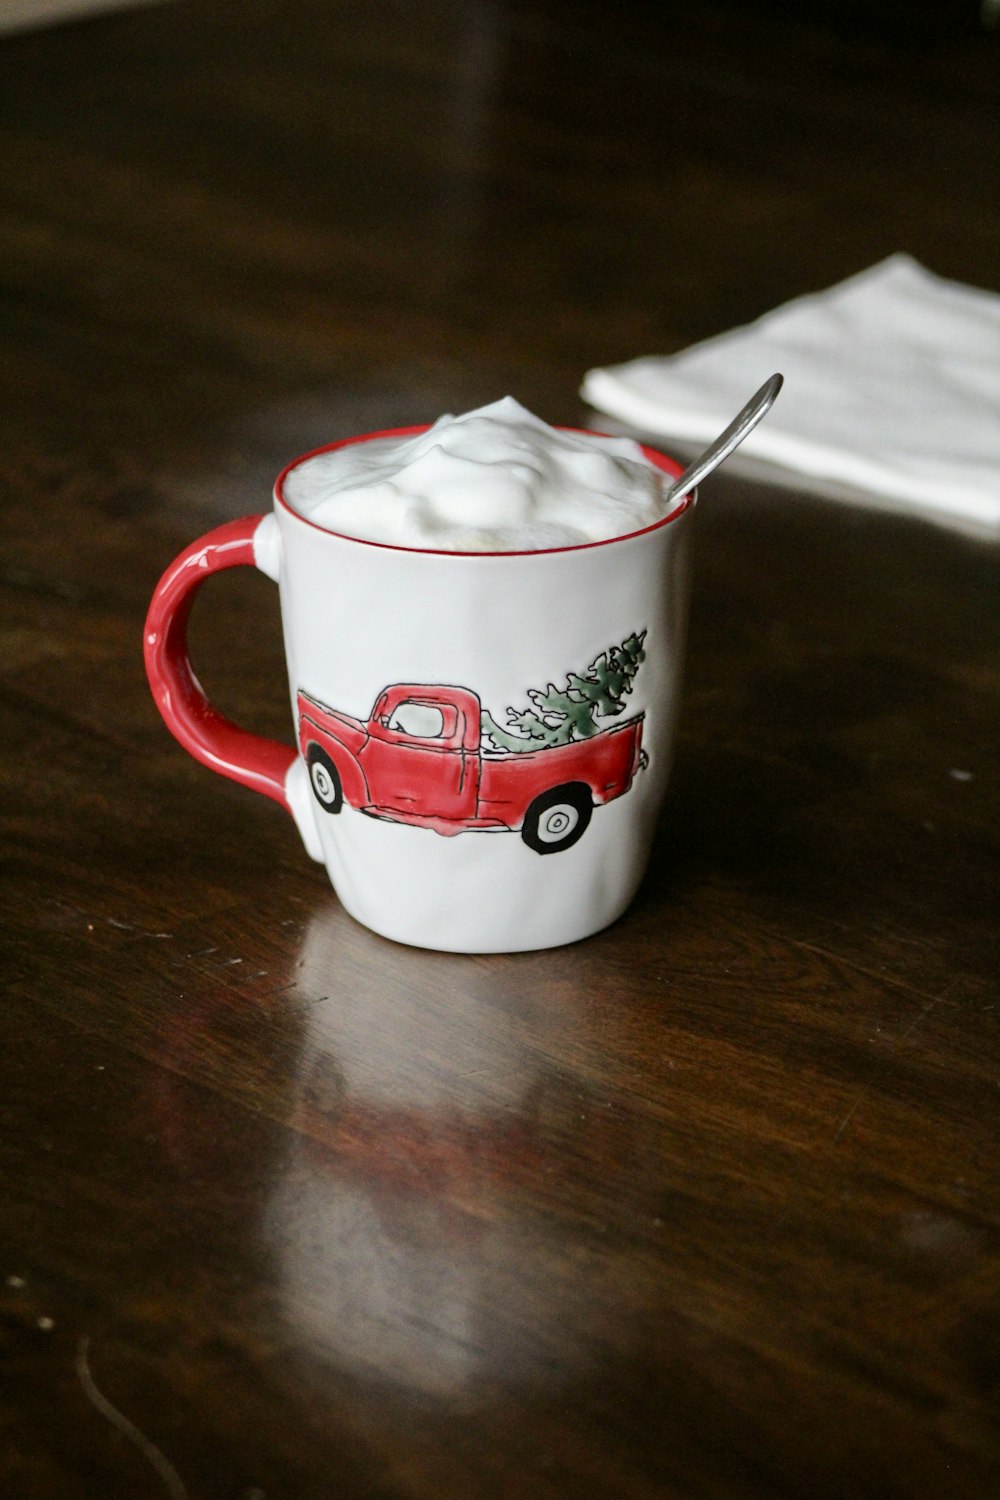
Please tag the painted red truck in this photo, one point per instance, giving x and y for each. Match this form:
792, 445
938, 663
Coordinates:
420, 759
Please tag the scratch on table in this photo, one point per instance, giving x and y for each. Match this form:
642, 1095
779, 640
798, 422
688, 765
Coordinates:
920, 1018
172, 1481
849, 1116
131, 927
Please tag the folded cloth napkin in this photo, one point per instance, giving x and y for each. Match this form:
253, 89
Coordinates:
892, 391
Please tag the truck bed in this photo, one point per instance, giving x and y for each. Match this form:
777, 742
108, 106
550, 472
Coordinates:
606, 763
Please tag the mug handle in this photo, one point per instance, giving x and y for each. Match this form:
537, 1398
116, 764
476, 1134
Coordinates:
263, 765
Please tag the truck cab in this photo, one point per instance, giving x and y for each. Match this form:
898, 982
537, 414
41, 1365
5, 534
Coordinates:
423, 750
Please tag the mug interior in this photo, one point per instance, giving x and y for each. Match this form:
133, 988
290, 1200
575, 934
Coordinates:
659, 460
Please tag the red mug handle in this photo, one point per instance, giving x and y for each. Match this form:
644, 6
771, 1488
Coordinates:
263, 765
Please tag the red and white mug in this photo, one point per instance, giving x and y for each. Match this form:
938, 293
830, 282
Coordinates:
482, 739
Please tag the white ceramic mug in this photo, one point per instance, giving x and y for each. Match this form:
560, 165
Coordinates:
400, 662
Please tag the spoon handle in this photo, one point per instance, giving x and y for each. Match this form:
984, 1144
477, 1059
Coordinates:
743, 423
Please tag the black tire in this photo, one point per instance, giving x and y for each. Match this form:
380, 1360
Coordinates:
324, 778
557, 819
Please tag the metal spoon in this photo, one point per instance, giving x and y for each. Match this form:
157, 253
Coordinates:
743, 423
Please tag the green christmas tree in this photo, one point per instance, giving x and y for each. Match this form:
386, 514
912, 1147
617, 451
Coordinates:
560, 715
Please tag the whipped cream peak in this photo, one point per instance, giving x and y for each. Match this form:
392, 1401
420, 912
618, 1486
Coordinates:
497, 479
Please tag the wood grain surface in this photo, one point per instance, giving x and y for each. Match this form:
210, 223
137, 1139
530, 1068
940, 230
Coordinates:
705, 1207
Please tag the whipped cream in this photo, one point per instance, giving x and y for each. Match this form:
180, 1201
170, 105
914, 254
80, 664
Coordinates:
494, 480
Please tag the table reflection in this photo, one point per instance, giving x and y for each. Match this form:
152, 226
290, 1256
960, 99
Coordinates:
408, 1219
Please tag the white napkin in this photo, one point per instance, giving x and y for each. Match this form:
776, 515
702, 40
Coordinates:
892, 392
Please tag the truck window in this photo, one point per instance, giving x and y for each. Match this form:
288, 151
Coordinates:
424, 721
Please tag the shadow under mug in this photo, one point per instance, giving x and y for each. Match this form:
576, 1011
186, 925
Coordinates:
483, 740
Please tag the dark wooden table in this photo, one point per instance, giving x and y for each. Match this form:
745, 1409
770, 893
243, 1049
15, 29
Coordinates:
707, 1206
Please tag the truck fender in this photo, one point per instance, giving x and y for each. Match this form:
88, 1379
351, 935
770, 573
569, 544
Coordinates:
334, 775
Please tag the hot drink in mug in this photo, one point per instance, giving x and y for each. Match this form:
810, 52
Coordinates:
484, 630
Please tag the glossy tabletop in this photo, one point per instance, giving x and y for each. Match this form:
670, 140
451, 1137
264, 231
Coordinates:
704, 1207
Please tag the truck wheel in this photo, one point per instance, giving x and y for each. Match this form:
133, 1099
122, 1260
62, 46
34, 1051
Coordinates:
324, 779
558, 818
